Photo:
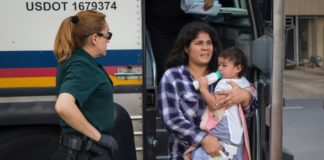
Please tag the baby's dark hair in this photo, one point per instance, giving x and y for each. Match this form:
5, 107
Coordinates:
236, 56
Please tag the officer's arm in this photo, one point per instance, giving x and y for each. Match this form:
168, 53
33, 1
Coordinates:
67, 109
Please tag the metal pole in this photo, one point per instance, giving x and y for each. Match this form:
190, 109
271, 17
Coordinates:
296, 40
277, 80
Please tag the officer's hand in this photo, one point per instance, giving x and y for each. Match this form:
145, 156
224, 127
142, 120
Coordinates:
109, 142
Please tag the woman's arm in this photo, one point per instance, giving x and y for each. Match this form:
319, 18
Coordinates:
246, 97
173, 115
236, 95
67, 109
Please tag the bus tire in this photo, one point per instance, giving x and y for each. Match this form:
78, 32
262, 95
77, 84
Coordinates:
28, 142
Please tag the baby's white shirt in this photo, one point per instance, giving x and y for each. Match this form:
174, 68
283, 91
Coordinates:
232, 113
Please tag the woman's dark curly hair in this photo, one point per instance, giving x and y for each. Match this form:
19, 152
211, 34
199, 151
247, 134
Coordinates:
188, 33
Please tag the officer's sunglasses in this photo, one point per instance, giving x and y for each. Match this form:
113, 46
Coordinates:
107, 36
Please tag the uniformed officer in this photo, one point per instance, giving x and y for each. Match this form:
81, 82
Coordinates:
85, 94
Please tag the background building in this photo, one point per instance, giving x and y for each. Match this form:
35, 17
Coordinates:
305, 30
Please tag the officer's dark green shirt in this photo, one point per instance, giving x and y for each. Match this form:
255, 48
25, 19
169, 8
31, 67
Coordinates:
85, 79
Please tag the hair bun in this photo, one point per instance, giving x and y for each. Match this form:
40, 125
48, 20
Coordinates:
74, 19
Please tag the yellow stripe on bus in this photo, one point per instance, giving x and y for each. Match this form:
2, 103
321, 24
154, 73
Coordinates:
50, 82
117, 81
27, 82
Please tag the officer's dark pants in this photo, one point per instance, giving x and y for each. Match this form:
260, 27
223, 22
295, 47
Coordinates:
122, 132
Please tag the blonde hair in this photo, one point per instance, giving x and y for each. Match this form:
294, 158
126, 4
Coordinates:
74, 31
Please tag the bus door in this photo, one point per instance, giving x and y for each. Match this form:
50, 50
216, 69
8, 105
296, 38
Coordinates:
239, 23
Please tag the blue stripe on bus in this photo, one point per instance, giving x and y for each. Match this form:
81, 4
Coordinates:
35, 59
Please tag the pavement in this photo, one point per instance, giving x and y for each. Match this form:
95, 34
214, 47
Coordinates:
303, 89
303, 83
303, 129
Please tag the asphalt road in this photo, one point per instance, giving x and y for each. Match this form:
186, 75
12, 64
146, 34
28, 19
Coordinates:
303, 129
303, 114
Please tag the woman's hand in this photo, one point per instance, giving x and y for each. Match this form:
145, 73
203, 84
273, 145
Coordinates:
211, 145
236, 95
217, 105
208, 4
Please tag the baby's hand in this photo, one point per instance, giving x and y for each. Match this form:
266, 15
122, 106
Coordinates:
203, 83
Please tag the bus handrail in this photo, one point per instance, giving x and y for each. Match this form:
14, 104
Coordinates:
150, 57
